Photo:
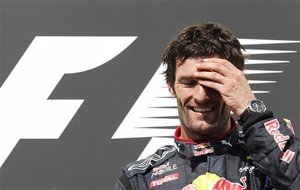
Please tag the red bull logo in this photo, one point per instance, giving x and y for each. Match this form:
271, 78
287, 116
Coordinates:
223, 184
202, 145
211, 181
272, 128
204, 151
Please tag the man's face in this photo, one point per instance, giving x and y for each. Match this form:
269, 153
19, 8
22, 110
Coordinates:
202, 111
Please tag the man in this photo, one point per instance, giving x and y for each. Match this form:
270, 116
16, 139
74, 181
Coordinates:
204, 74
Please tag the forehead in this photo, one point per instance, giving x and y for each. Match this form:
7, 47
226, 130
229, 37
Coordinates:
187, 67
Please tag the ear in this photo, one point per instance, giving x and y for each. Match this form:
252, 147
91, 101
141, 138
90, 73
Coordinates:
171, 89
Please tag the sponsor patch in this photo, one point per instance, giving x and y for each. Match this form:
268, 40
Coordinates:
162, 169
272, 128
224, 142
204, 151
247, 168
214, 182
287, 156
202, 145
165, 179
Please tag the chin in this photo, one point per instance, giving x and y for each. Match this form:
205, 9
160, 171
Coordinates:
207, 129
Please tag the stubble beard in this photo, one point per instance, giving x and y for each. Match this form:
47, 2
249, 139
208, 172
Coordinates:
203, 129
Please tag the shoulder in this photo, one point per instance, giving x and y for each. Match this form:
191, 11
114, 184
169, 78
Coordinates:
145, 165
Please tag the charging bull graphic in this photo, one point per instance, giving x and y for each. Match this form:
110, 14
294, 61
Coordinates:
211, 181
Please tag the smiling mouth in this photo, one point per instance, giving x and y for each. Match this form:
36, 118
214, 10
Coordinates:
202, 110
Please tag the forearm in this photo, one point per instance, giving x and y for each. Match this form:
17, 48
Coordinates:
274, 149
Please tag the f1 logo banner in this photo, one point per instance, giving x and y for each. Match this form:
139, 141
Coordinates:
25, 110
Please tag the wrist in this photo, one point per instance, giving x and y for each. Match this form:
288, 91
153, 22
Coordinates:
249, 119
254, 107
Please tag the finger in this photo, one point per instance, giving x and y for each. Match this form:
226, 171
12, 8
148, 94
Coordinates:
222, 66
214, 66
234, 74
211, 76
225, 87
213, 85
223, 62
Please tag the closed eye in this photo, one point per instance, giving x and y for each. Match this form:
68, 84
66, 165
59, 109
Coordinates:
188, 82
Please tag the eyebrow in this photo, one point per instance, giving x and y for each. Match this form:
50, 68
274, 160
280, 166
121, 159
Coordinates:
183, 78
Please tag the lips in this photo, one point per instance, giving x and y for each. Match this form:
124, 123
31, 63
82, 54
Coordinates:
202, 109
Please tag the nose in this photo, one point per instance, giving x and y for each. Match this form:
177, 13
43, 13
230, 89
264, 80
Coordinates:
200, 93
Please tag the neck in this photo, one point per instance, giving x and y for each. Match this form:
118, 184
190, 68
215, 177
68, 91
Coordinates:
219, 133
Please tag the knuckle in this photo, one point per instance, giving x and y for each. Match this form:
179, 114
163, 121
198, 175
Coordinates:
224, 91
231, 86
214, 76
241, 74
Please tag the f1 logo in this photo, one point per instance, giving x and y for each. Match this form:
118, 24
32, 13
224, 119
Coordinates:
25, 111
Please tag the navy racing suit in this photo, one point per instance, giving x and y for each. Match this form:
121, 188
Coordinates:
260, 153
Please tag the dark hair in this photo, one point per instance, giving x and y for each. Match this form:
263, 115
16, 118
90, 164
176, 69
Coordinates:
202, 40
